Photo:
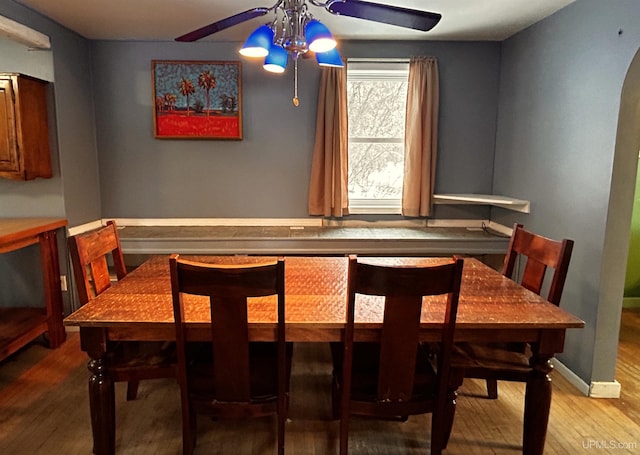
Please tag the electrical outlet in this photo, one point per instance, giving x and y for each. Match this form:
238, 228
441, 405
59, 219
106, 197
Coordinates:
63, 283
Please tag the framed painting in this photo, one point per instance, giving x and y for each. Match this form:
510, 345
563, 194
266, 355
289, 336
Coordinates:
197, 99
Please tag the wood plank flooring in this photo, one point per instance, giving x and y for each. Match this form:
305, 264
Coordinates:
44, 411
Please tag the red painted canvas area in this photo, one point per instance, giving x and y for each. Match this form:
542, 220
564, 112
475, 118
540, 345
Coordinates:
194, 125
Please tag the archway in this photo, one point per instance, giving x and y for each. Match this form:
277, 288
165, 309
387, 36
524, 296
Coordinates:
616, 243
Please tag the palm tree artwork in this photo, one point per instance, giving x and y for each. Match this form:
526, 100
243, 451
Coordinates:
207, 81
197, 99
187, 88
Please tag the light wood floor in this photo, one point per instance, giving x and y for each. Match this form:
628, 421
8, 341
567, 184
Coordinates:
44, 410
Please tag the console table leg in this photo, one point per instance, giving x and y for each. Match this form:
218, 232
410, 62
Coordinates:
52, 289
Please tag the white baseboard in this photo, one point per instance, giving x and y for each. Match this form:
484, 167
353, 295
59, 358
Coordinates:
292, 222
218, 221
605, 389
594, 390
469, 224
570, 376
122, 222
501, 228
374, 223
84, 227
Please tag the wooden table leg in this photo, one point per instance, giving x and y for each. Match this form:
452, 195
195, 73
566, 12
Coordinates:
102, 407
101, 392
52, 290
537, 405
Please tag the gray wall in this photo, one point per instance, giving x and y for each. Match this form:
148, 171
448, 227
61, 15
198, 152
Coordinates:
73, 191
41, 197
267, 173
560, 88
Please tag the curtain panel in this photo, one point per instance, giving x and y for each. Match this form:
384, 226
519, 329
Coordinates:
328, 191
421, 137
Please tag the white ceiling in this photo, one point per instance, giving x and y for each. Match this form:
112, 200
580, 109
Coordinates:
163, 20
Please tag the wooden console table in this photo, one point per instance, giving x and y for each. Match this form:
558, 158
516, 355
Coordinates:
19, 326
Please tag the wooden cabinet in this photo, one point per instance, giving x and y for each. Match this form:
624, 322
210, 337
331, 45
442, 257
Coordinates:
24, 133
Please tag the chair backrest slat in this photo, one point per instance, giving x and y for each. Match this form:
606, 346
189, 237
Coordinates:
398, 346
541, 253
89, 253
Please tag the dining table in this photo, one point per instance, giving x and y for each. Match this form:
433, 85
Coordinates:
492, 308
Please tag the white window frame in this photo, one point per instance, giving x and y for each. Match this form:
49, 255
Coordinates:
381, 69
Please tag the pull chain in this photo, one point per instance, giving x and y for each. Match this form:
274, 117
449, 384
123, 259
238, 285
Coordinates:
296, 102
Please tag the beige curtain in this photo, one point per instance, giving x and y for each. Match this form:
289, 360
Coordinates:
328, 193
421, 137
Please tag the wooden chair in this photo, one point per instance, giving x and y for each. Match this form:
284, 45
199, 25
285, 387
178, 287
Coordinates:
130, 361
397, 377
498, 361
229, 377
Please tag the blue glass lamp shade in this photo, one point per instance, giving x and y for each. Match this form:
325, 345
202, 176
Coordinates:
258, 43
276, 61
329, 58
318, 36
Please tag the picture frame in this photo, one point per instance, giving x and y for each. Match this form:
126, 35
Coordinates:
195, 99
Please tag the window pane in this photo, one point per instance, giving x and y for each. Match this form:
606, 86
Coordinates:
375, 170
376, 108
376, 100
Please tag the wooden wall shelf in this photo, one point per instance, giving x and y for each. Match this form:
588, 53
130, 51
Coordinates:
504, 202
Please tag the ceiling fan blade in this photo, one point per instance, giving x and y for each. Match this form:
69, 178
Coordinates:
222, 24
387, 14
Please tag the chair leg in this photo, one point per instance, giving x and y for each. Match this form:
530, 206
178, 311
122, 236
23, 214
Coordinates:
281, 421
335, 400
282, 417
441, 423
345, 415
449, 415
189, 435
132, 390
344, 434
492, 388
189, 428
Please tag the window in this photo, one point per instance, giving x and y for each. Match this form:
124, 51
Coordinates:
376, 99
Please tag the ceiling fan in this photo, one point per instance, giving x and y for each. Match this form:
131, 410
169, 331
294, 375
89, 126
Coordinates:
377, 12
294, 31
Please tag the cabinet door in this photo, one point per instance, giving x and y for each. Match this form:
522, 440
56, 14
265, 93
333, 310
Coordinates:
9, 158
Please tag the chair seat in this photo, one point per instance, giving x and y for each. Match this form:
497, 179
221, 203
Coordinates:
491, 356
143, 355
263, 375
364, 381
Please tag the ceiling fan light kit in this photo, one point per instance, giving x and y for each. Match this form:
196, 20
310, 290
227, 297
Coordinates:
330, 58
258, 43
276, 60
318, 36
295, 32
